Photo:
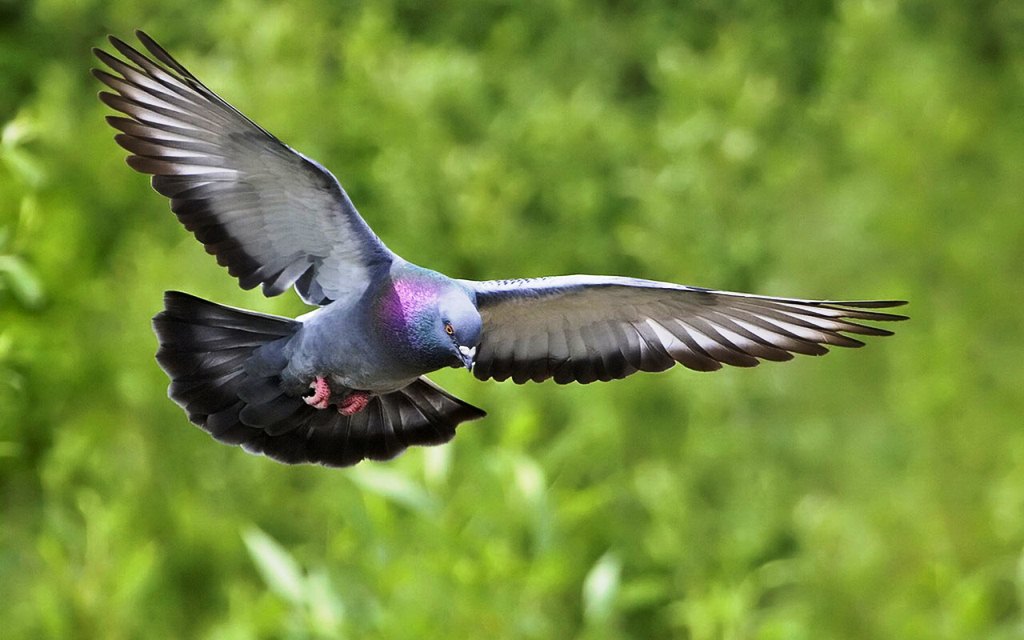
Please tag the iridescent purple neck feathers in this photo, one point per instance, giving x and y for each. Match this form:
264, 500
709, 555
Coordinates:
404, 300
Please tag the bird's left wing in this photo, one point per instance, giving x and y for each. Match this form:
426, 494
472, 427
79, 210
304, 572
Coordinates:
268, 213
587, 328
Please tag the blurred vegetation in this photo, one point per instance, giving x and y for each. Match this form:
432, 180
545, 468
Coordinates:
858, 148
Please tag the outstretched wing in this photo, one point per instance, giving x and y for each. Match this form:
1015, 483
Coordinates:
587, 328
268, 213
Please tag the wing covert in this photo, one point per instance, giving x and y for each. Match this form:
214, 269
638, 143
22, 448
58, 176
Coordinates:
272, 216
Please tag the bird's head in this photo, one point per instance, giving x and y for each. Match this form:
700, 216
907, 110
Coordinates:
430, 321
460, 326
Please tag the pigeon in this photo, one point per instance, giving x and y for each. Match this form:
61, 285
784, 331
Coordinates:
347, 381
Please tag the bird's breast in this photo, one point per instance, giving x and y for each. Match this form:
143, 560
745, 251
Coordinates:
336, 343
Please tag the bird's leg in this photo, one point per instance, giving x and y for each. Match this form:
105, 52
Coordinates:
354, 403
321, 396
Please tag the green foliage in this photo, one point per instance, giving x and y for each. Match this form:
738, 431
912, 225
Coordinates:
857, 148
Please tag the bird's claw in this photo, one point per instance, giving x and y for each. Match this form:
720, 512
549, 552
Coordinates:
321, 397
354, 403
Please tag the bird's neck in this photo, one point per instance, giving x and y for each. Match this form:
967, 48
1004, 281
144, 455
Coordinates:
404, 316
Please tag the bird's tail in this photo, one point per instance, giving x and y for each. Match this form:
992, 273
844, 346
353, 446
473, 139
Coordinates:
225, 368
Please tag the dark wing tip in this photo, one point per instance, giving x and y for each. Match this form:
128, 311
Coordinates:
105, 57
163, 56
123, 47
859, 304
875, 331
877, 304
112, 100
147, 40
872, 304
864, 309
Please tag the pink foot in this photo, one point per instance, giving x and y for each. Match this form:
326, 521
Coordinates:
321, 394
354, 403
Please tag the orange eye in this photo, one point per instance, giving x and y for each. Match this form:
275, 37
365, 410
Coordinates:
449, 329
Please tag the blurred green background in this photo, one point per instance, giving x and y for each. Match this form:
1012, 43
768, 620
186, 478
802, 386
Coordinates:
847, 149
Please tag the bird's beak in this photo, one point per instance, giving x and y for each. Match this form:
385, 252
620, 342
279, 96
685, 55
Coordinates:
468, 356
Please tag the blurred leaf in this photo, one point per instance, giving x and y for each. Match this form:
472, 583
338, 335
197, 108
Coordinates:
437, 463
17, 132
392, 485
23, 164
22, 282
601, 588
279, 569
529, 479
326, 609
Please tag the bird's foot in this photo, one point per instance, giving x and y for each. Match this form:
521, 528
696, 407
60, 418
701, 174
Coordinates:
354, 403
321, 396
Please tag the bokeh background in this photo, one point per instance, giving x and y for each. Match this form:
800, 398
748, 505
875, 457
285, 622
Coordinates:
847, 148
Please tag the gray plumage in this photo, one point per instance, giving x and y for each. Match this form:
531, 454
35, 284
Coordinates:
345, 382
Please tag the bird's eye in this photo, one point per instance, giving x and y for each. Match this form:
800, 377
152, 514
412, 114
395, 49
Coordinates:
449, 329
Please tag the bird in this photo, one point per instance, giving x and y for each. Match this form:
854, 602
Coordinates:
347, 381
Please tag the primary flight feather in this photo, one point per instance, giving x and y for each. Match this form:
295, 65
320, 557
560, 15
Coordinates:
346, 381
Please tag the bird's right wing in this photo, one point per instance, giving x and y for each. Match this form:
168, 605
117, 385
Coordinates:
587, 328
268, 213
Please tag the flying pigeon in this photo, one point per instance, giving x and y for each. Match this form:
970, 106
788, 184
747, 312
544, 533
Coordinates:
346, 382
